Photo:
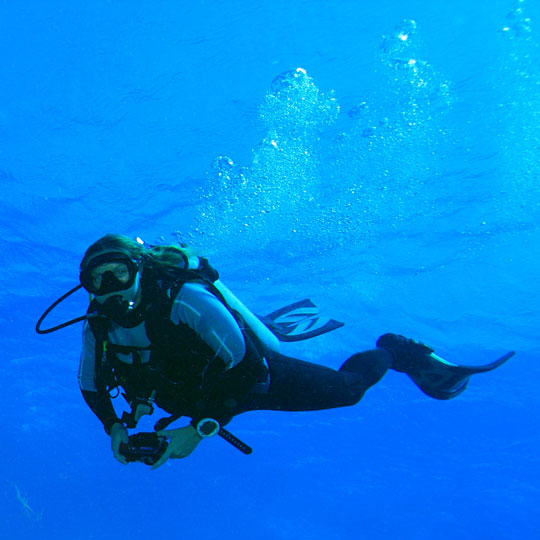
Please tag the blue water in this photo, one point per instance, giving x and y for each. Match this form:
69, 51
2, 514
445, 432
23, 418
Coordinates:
378, 157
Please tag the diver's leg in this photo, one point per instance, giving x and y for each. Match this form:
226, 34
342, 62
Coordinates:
296, 385
370, 365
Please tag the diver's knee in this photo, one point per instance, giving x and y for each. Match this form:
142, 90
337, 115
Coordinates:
370, 365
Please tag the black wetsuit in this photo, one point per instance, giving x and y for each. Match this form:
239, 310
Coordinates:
296, 385
174, 358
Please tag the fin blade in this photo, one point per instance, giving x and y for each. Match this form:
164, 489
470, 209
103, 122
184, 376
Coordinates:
488, 367
306, 303
447, 380
299, 321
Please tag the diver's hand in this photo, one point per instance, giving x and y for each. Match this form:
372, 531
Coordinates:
183, 441
119, 435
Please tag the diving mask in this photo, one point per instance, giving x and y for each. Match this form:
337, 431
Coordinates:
113, 278
108, 273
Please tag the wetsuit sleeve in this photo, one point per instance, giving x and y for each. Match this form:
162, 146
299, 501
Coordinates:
238, 364
93, 391
202, 311
224, 392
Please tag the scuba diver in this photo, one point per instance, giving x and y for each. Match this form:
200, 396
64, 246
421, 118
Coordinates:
164, 330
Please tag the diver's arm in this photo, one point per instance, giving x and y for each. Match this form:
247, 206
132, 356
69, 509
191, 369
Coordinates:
223, 390
102, 407
237, 364
183, 442
228, 376
202, 311
93, 392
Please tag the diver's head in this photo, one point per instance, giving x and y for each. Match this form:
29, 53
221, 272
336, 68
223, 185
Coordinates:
110, 271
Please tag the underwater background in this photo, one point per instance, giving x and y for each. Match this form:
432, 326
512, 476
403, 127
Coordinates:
378, 157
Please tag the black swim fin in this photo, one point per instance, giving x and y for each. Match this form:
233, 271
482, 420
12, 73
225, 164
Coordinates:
299, 321
444, 380
435, 376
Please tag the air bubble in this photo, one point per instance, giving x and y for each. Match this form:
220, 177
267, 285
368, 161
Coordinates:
288, 80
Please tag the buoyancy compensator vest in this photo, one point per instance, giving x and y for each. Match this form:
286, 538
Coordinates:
183, 374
